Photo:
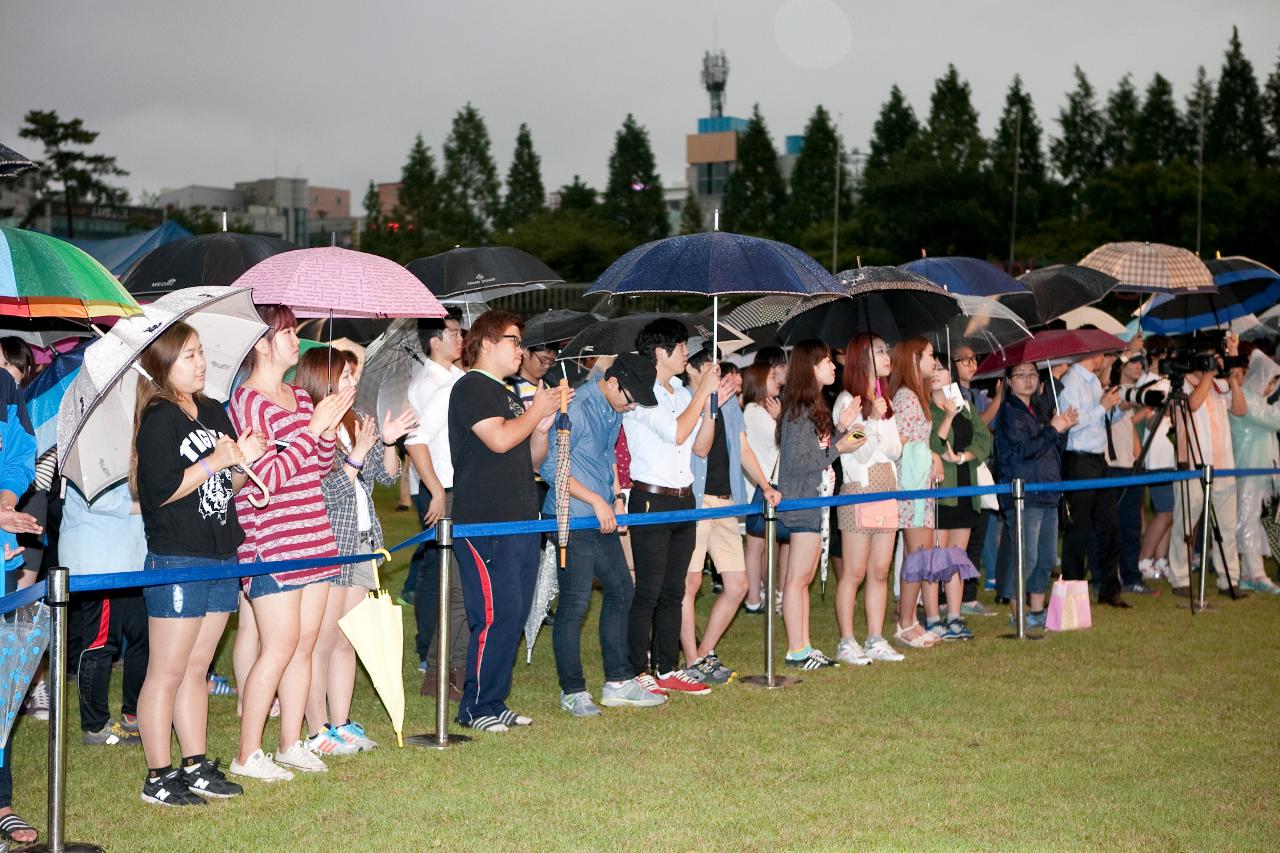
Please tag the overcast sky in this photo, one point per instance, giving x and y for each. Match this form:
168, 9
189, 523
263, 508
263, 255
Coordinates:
211, 93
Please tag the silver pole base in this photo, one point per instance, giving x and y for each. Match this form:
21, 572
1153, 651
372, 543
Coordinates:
67, 847
763, 681
432, 741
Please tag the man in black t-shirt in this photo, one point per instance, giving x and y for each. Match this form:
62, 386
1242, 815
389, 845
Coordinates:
496, 444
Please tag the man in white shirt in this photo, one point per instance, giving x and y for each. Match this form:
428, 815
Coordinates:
441, 341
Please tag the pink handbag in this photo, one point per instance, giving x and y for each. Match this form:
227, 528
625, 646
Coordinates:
1069, 606
876, 515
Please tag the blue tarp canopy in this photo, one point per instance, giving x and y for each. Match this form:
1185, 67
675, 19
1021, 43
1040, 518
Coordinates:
118, 254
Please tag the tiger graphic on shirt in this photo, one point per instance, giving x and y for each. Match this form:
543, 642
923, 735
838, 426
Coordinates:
215, 493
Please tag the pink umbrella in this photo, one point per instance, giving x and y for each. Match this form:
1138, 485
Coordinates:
336, 282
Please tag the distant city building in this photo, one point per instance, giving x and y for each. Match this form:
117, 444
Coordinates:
20, 205
288, 208
329, 203
388, 197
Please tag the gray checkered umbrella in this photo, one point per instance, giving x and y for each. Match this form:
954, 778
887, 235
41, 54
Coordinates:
1150, 268
764, 311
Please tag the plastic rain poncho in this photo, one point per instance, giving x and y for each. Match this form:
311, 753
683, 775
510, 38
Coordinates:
1253, 438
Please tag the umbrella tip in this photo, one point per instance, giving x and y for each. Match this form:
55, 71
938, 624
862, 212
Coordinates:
1217, 255
858, 258
924, 253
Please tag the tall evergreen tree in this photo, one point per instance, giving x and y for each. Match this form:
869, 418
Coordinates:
1019, 137
1195, 118
577, 196
691, 215
633, 198
813, 189
756, 192
1158, 126
525, 195
1271, 112
1077, 154
1120, 124
81, 176
418, 198
371, 237
1235, 128
896, 130
469, 191
952, 137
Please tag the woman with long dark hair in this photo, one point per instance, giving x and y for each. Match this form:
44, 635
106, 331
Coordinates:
919, 467
868, 530
761, 408
287, 607
184, 450
808, 442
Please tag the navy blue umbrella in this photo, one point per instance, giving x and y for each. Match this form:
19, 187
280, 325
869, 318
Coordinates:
1244, 286
966, 276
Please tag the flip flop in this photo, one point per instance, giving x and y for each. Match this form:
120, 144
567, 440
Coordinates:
11, 824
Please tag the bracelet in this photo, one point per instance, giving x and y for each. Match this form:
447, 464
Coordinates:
353, 463
388, 444
619, 497
208, 472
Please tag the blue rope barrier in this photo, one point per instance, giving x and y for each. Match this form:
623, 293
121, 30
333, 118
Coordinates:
1113, 482
23, 597
159, 577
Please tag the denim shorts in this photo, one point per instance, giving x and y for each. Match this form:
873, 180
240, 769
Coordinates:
192, 599
260, 585
1161, 495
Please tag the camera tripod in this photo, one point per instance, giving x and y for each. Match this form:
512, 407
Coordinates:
1177, 408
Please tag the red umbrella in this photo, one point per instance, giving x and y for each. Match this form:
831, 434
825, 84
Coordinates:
1048, 346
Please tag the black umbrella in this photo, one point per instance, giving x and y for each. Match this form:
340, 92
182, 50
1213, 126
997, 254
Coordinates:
481, 270
556, 325
361, 330
207, 259
12, 163
885, 301
1053, 291
618, 335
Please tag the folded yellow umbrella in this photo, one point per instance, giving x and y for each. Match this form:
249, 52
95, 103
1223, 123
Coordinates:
375, 628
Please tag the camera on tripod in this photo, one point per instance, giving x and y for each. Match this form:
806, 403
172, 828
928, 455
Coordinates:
1203, 352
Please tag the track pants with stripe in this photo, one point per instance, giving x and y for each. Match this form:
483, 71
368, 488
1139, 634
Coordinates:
110, 621
498, 575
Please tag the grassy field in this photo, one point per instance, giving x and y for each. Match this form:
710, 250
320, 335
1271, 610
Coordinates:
1151, 731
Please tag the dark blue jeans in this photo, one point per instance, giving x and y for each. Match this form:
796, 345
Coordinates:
593, 556
1129, 519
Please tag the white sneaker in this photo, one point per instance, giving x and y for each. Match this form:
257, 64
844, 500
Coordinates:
260, 766
848, 651
879, 649
300, 758
37, 704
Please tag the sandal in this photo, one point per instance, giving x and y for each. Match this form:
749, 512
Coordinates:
11, 824
923, 640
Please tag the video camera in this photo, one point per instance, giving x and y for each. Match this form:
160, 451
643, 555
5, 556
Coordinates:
1203, 352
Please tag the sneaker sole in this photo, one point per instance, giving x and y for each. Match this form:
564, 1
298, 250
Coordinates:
300, 768
287, 777
155, 801
211, 794
633, 703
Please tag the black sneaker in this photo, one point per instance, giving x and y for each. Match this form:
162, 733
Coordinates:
814, 660
169, 790
207, 780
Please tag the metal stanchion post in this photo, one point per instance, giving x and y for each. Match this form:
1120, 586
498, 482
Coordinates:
1206, 478
769, 681
440, 738
58, 598
1019, 490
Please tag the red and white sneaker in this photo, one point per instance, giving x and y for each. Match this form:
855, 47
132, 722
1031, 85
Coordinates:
649, 684
677, 681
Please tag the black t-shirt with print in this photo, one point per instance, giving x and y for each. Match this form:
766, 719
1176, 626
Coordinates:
202, 524
488, 486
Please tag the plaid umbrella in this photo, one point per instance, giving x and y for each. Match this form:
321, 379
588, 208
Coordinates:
764, 311
1150, 268
12, 163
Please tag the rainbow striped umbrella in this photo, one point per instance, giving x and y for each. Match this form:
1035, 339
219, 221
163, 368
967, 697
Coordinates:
42, 276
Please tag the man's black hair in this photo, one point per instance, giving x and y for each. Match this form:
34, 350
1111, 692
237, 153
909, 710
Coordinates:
701, 357
663, 333
432, 328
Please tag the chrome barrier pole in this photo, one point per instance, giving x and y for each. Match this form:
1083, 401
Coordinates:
58, 597
440, 738
1206, 478
1019, 492
769, 681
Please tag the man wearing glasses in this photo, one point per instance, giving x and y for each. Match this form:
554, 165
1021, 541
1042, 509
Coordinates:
596, 414
496, 442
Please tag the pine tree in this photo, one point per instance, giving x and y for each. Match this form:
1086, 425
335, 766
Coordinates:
952, 137
1271, 111
633, 198
756, 192
1158, 126
691, 215
813, 190
1195, 119
577, 196
1234, 129
469, 191
370, 238
525, 195
80, 174
1077, 154
1120, 124
1019, 137
896, 129
419, 201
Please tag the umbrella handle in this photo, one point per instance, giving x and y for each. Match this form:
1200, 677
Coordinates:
257, 481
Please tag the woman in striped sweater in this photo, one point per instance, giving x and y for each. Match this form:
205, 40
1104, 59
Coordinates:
287, 607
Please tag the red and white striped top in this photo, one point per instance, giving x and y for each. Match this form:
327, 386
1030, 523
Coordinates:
294, 524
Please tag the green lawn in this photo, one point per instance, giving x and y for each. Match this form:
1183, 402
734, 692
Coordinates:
1154, 730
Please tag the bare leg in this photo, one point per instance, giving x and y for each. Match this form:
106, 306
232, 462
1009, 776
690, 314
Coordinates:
191, 706
955, 586
914, 539
244, 650
723, 611
876, 594
802, 561
689, 617
166, 669
342, 660
295, 682
856, 549
1155, 539
326, 640
280, 611
754, 556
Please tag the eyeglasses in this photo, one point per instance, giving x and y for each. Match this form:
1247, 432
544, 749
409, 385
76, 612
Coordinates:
515, 339
967, 359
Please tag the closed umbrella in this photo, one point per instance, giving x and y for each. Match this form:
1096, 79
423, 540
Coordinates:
24, 636
545, 589
375, 628
42, 276
206, 259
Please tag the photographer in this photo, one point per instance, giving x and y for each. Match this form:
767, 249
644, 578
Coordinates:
1210, 398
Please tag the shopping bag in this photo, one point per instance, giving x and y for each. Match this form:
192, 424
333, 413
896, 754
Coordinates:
985, 479
1068, 606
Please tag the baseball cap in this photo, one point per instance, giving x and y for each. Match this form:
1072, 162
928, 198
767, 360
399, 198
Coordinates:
636, 375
